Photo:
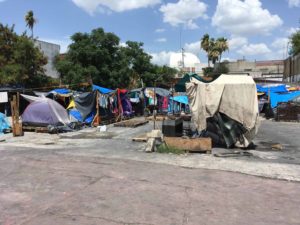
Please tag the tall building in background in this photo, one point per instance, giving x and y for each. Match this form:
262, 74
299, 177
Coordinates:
50, 50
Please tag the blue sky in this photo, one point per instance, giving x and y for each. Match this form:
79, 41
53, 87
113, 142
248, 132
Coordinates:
256, 29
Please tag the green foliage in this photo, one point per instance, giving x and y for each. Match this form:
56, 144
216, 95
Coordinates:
221, 69
168, 149
30, 21
214, 48
21, 63
295, 40
207, 71
98, 56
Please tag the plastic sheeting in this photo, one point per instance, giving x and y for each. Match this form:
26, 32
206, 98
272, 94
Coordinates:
271, 88
3, 123
181, 99
282, 97
61, 91
102, 90
86, 103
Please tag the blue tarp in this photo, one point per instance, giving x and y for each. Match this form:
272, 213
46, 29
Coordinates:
283, 97
274, 88
3, 123
101, 89
76, 114
61, 91
181, 99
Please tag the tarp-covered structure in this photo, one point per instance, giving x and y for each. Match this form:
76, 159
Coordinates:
276, 98
43, 111
271, 88
229, 103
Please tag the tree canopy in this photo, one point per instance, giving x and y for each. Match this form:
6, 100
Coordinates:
99, 56
295, 41
21, 63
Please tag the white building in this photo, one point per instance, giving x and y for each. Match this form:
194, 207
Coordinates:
187, 62
49, 50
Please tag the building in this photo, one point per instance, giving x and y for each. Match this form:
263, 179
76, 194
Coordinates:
186, 62
268, 70
292, 69
50, 50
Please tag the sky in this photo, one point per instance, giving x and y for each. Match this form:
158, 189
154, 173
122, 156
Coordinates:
255, 29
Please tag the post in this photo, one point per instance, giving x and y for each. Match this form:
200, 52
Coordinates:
154, 110
97, 119
16, 124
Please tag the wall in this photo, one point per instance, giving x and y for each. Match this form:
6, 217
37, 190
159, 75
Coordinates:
50, 51
292, 69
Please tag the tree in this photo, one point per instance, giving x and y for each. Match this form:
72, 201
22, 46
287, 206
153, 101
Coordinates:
99, 56
295, 41
222, 46
30, 21
205, 45
21, 63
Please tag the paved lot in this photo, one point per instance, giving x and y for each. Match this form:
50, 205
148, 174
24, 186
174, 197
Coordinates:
51, 188
89, 177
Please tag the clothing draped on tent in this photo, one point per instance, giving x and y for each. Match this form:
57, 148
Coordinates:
232, 95
44, 111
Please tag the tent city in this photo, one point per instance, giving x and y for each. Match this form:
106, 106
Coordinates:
150, 112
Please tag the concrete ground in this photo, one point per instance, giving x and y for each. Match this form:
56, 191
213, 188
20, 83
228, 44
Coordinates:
88, 177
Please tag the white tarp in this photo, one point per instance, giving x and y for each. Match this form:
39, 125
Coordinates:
3, 97
233, 95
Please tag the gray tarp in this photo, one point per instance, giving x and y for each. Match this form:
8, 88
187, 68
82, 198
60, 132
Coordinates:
85, 103
233, 95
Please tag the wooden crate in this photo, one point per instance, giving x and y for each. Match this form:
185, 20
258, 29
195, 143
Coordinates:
190, 145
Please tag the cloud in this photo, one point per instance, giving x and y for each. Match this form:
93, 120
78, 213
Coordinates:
294, 3
236, 42
280, 46
245, 17
184, 12
161, 58
160, 30
291, 31
93, 6
161, 40
254, 49
193, 47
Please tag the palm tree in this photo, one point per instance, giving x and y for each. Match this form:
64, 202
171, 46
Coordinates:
30, 21
222, 46
205, 45
214, 52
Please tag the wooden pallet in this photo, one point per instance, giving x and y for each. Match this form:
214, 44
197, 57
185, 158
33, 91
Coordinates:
203, 145
36, 129
140, 138
131, 123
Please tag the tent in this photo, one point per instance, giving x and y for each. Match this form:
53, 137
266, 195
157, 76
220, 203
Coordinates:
271, 88
231, 102
102, 90
44, 112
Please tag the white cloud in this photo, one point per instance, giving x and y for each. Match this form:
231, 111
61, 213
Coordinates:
294, 3
92, 6
193, 47
161, 40
64, 43
291, 31
254, 49
2, 0
184, 12
160, 30
161, 58
280, 46
236, 42
244, 17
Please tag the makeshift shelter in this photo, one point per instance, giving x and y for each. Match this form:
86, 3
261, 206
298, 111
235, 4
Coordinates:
282, 97
271, 88
43, 112
178, 104
102, 90
229, 103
